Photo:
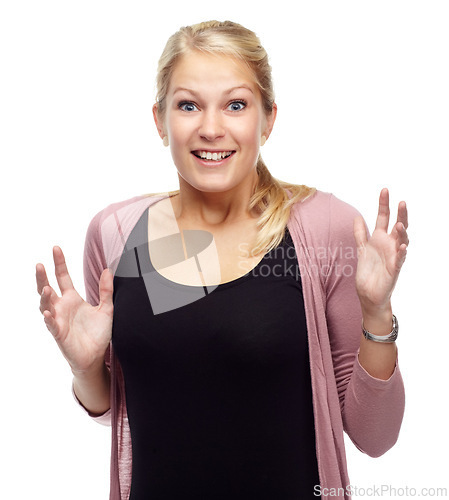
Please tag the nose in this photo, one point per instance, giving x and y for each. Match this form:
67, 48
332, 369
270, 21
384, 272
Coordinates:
211, 127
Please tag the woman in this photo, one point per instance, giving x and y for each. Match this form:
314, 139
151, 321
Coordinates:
222, 335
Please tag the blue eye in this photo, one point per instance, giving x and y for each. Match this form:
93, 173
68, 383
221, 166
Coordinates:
237, 105
187, 106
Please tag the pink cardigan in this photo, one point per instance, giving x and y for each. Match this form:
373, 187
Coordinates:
345, 396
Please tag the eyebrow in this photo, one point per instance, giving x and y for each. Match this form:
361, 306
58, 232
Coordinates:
227, 92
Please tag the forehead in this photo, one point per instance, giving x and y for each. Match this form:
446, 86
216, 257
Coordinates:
209, 73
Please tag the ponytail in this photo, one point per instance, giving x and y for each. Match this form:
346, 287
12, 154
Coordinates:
273, 199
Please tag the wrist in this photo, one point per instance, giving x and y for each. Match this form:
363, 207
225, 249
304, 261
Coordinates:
97, 369
92, 388
377, 319
389, 338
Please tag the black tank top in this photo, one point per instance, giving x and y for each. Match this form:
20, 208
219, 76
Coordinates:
218, 391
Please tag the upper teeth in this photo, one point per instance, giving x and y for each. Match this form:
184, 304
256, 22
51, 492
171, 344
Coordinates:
207, 155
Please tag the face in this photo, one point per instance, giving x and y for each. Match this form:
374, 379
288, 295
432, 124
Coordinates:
214, 121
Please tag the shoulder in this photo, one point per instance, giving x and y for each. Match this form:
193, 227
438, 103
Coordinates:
123, 210
110, 227
325, 218
320, 205
324, 208
121, 206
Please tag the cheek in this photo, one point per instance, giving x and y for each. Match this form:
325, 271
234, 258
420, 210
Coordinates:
179, 137
252, 130
174, 130
247, 133
250, 138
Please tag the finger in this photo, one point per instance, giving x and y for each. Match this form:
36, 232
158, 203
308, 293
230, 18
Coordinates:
383, 215
360, 232
403, 214
51, 324
41, 278
62, 274
401, 255
400, 234
106, 289
46, 303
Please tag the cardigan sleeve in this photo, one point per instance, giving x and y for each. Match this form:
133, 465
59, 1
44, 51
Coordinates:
93, 265
372, 409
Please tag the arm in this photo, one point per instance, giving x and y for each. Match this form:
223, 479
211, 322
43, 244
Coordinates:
372, 407
92, 389
380, 259
81, 330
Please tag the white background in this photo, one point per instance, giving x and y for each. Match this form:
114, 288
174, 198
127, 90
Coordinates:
362, 89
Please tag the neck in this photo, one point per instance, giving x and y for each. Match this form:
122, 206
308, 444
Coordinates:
213, 208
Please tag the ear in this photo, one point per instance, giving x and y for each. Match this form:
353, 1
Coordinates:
271, 118
159, 123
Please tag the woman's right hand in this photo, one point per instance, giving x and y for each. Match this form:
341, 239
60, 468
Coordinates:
82, 331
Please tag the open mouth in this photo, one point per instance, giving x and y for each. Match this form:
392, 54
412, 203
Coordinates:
213, 155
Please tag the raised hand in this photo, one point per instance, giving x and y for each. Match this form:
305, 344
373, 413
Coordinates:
81, 330
380, 257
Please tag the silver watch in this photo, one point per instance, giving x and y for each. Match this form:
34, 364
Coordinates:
391, 337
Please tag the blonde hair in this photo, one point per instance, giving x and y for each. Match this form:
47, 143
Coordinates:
272, 198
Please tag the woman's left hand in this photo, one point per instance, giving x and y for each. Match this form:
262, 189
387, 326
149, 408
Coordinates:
380, 257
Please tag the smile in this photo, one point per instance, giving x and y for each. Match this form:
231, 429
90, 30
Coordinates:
214, 156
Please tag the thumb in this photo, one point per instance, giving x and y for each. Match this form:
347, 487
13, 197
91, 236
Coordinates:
106, 289
360, 232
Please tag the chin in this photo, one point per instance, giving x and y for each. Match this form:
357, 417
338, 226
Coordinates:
216, 181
